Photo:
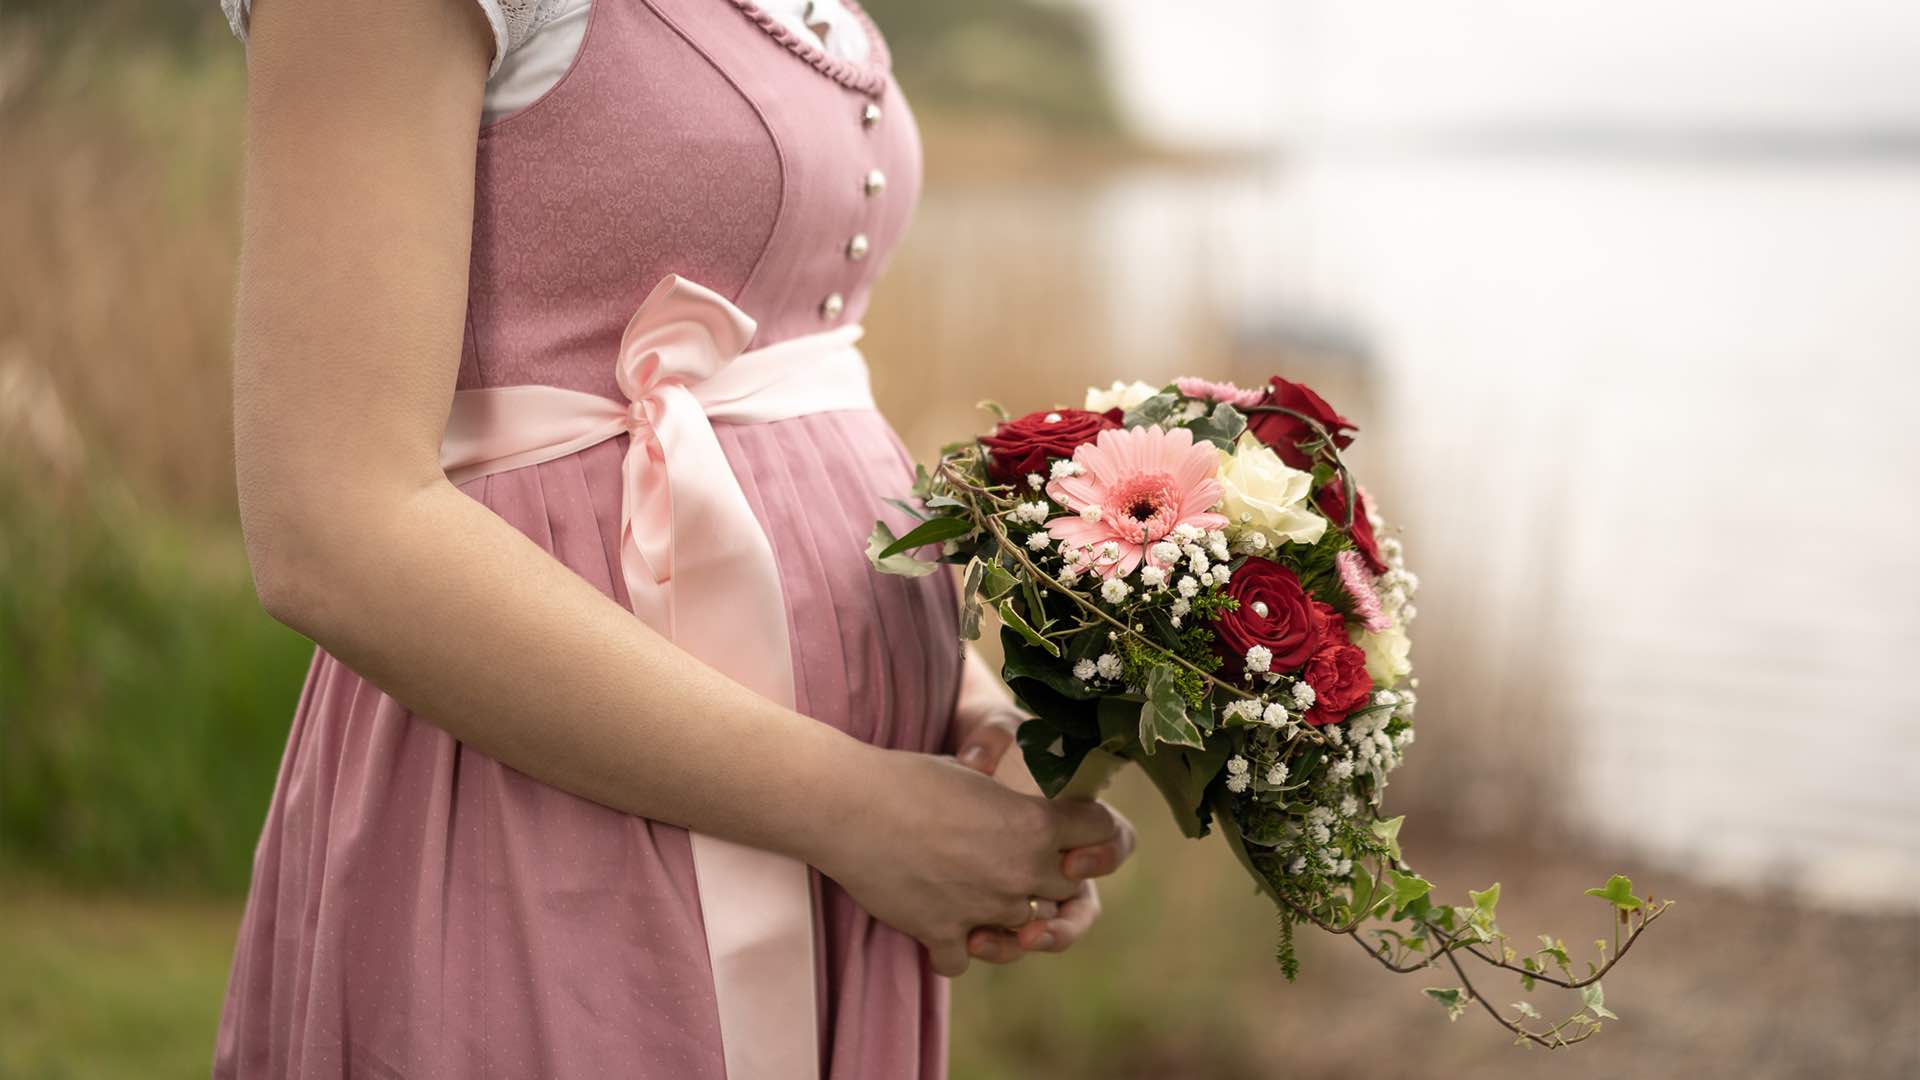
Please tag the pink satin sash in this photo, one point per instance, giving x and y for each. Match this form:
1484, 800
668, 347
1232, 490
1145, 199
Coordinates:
699, 569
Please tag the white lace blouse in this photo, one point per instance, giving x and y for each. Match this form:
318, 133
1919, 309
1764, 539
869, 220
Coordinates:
534, 41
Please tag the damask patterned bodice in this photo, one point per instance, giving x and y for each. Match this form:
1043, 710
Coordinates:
696, 137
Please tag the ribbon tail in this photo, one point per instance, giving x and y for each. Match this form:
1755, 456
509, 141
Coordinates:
726, 606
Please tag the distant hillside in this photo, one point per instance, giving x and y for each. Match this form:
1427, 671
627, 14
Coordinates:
1032, 59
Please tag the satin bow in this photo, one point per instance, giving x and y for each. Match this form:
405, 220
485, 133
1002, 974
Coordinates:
698, 568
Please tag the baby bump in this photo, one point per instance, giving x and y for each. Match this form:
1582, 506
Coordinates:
874, 654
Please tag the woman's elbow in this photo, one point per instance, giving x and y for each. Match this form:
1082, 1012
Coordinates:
288, 576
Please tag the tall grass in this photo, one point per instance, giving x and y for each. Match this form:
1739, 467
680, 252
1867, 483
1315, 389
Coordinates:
144, 696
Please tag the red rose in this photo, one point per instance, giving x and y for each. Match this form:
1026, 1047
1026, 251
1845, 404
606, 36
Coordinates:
1332, 500
1274, 612
1019, 447
1338, 675
1284, 432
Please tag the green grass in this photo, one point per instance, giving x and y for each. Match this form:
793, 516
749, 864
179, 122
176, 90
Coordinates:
144, 696
99, 987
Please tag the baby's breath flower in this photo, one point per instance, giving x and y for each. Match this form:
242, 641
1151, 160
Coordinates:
1277, 775
1034, 480
1302, 695
1108, 666
1039, 541
1237, 778
1275, 715
1085, 670
1113, 590
1259, 658
1187, 586
1152, 576
1064, 468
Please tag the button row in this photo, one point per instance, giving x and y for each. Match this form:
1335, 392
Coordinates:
858, 245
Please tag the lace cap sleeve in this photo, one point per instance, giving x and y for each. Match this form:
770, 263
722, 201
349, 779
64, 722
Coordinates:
512, 22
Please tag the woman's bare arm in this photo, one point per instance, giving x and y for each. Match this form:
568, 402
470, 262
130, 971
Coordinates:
358, 216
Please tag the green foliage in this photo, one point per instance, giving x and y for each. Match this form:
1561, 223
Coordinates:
883, 552
1455, 999
1313, 564
1163, 716
1220, 427
1038, 61
1618, 891
1283, 951
144, 696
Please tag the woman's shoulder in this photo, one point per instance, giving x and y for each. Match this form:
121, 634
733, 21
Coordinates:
513, 21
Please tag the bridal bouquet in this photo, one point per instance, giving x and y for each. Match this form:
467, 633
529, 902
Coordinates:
1189, 578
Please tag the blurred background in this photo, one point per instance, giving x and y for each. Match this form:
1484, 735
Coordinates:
1625, 298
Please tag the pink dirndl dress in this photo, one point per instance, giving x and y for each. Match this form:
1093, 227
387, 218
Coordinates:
418, 909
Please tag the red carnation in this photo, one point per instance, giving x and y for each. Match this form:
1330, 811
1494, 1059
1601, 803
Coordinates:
1020, 447
1338, 675
1332, 500
1285, 432
1274, 612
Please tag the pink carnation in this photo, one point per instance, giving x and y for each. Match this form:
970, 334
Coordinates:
1359, 586
1207, 390
1135, 485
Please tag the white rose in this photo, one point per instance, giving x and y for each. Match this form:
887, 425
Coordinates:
1265, 495
1120, 395
1386, 651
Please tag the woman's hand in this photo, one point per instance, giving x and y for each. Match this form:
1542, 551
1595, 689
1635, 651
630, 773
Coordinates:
940, 849
981, 741
984, 726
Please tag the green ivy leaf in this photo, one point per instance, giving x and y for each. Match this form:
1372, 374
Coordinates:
928, 532
1484, 901
1454, 998
1220, 427
1389, 831
1618, 891
1155, 410
997, 583
1163, 716
878, 545
1527, 1010
1407, 887
1596, 999
1010, 615
1052, 755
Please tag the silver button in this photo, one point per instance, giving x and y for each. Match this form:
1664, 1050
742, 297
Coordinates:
857, 247
876, 182
832, 306
870, 115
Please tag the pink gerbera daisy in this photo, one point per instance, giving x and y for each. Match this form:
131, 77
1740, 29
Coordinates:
1133, 487
1207, 390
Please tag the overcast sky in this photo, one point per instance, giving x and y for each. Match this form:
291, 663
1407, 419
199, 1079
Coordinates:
1238, 70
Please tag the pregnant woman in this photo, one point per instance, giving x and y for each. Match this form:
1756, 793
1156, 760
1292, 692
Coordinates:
615, 757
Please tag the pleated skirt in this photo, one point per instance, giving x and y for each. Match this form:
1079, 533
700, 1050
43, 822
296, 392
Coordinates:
418, 909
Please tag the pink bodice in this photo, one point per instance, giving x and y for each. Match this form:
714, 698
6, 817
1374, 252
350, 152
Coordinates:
691, 137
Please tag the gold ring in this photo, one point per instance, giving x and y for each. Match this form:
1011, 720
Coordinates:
1033, 908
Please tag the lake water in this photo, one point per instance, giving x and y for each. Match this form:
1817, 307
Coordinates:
1648, 423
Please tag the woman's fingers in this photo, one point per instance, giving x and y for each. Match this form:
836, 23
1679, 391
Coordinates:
995, 946
949, 959
1057, 934
1099, 860
989, 740
1078, 823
